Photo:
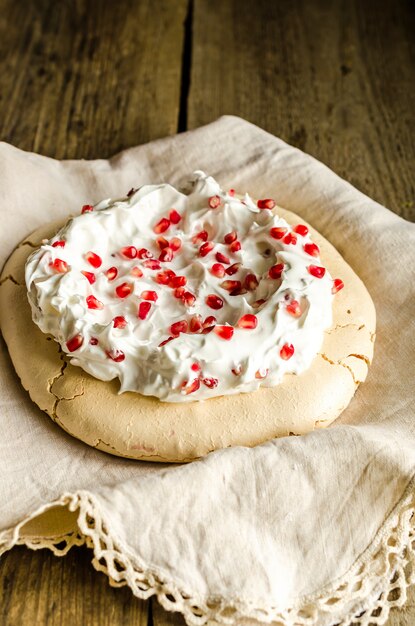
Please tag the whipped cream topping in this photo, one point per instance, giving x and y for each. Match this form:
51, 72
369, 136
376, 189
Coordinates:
183, 296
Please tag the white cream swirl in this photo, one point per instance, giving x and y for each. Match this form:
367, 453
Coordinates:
289, 313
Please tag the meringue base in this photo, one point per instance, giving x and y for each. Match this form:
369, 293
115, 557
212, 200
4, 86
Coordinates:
140, 427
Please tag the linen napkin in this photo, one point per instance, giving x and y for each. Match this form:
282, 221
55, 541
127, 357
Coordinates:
304, 530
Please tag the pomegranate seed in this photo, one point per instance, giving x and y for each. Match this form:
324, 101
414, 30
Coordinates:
224, 332
124, 290
144, 310
195, 324
200, 237
251, 282
152, 264
230, 237
232, 269
231, 192
211, 383
179, 327
166, 255
221, 258
115, 355
238, 291
312, 249
93, 303
135, 271
194, 386
218, 270
90, 276
195, 367
163, 277
290, 239
293, 308
261, 374
119, 322
162, 242
205, 248
214, 202
235, 246
177, 281
267, 203
143, 253
316, 271
287, 351
59, 266
163, 343
258, 303
337, 285
179, 292
93, 341
74, 343
188, 298
248, 321
162, 225
276, 270
301, 229
209, 321
277, 232
214, 301
111, 273
236, 371
130, 252
230, 285
87, 208
175, 244
149, 295
58, 244
174, 216
93, 259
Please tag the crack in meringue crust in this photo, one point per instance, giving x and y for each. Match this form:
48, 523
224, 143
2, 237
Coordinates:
183, 296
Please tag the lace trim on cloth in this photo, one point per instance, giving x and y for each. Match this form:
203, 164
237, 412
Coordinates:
377, 582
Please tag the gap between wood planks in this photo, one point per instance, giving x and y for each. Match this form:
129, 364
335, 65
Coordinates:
186, 68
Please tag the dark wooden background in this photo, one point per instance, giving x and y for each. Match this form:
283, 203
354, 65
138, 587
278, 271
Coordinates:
84, 79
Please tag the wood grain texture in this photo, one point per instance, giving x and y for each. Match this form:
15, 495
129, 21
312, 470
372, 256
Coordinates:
333, 78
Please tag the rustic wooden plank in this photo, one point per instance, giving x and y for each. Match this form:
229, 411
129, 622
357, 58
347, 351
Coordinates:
333, 78
85, 78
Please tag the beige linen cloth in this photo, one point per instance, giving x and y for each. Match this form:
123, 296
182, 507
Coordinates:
305, 530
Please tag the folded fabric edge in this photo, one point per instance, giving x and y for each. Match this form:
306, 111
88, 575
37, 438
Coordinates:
377, 582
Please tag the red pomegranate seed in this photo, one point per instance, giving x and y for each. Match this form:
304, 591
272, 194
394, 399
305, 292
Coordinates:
258, 303
210, 382
163, 278
293, 308
230, 237
231, 192
59, 266
214, 202
166, 255
144, 310
90, 276
87, 208
261, 374
267, 203
248, 321
218, 270
205, 248
179, 327
188, 298
93, 303
230, 285
232, 269
337, 285
195, 367
174, 216
152, 264
312, 249
115, 355
162, 225
124, 290
276, 270
290, 238
74, 343
236, 371
177, 281
93, 341
277, 232
194, 386
221, 258
214, 301
149, 295
58, 244
235, 246
251, 282
238, 291
179, 292
135, 271
130, 252
111, 273
287, 351
163, 343
93, 259
209, 321
143, 253
224, 332
316, 271
162, 242
119, 321
195, 324
175, 244
301, 229
200, 237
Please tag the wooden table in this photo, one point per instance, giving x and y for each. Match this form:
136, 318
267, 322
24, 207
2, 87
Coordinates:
88, 78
